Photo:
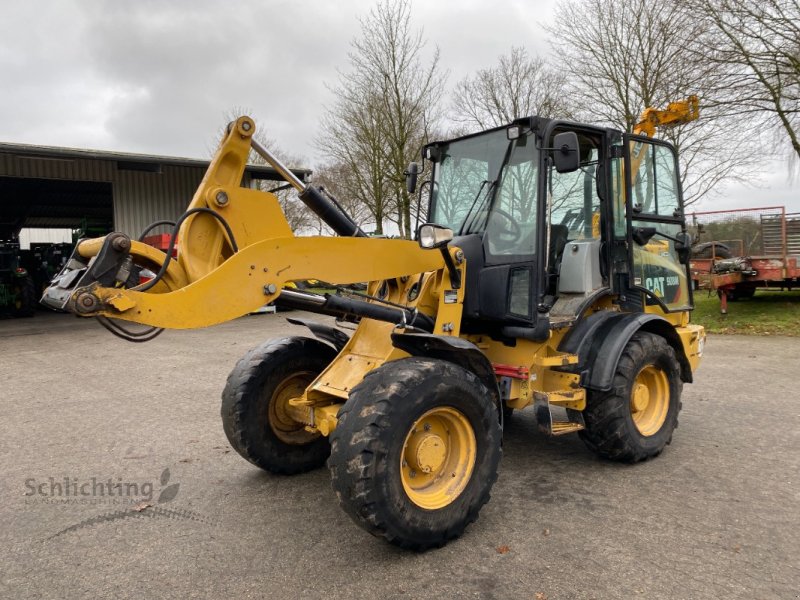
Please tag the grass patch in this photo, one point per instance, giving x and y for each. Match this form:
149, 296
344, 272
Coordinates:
769, 312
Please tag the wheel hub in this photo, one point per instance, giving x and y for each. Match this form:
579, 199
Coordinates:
438, 457
430, 453
650, 397
641, 397
280, 420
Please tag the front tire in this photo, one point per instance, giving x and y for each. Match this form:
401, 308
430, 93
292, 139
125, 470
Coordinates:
415, 452
635, 420
254, 405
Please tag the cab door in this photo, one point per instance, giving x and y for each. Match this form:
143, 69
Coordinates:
654, 199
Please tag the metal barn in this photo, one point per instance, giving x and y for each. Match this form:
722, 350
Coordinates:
50, 187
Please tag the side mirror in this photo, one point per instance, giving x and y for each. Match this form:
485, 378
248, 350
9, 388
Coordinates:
643, 235
434, 236
565, 152
411, 177
683, 246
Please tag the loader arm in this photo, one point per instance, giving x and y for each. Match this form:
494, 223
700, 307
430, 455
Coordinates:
235, 253
255, 276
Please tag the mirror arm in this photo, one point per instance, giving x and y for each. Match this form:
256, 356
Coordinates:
682, 247
643, 235
420, 189
669, 237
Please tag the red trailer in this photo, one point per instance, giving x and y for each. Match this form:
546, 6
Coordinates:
752, 248
161, 241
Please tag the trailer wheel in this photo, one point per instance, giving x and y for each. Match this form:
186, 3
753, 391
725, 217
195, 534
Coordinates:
635, 420
741, 291
254, 405
415, 452
710, 250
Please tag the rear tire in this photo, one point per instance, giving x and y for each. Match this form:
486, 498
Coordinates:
636, 419
415, 452
253, 413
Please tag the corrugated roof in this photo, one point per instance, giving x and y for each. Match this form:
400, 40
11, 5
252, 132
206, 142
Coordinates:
60, 153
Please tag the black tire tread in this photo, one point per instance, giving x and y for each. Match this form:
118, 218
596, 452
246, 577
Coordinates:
607, 415
244, 381
362, 435
706, 251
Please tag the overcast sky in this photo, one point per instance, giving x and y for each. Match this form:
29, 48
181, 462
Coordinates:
159, 76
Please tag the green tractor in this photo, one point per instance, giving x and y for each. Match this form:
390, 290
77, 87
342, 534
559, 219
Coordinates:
18, 296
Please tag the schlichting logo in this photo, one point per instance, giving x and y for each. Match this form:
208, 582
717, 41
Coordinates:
97, 490
140, 496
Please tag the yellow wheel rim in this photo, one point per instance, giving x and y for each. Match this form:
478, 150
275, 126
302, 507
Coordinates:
287, 429
650, 400
438, 457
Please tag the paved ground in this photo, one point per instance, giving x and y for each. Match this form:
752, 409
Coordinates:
716, 516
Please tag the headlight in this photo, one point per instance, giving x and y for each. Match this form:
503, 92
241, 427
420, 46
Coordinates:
434, 236
513, 132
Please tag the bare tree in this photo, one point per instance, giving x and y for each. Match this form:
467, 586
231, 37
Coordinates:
354, 145
625, 55
755, 44
385, 105
517, 86
347, 187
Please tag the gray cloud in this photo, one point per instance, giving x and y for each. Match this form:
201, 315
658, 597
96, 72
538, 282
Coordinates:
160, 76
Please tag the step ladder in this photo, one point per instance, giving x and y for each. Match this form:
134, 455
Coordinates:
542, 401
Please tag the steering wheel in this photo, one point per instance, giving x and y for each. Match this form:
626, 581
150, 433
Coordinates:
509, 230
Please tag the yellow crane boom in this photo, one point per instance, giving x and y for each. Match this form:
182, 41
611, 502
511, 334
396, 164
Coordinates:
681, 111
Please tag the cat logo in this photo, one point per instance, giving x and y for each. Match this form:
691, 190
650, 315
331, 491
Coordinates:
655, 285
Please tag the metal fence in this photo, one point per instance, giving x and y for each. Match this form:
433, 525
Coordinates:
768, 231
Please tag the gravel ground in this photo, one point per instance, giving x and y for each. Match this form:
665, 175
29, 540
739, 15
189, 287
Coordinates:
716, 516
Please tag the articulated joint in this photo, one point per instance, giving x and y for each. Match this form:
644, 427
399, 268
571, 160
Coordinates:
322, 419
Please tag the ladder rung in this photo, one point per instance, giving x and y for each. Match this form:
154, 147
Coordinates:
564, 427
557, 360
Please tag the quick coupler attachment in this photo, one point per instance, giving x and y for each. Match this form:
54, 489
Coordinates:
86, 270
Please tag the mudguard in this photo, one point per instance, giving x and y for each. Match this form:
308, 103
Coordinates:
326, 333
600, 339
453, 349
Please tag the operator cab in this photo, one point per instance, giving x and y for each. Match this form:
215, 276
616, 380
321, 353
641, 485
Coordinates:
485, 188
542, 241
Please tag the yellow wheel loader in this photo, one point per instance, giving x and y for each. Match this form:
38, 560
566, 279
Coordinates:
551, 275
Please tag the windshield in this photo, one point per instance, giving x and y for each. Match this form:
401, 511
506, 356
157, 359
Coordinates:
487, 184
464, 175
